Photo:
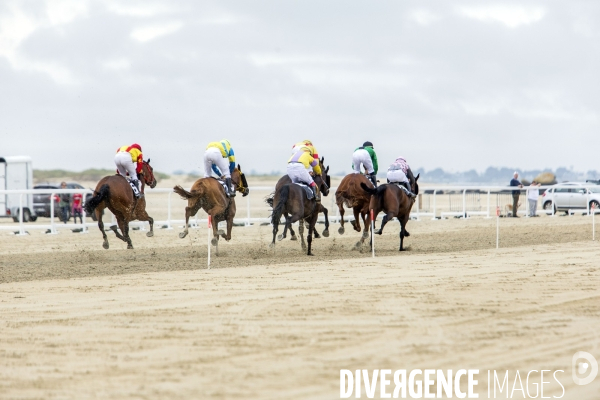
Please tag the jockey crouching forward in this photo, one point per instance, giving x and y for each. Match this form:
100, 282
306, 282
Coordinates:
308, 144
219, 157
366, 156
399, 172
129, 160
298, 166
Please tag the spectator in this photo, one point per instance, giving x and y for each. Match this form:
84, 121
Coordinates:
515, 193
533, 193
76, 208
64, 201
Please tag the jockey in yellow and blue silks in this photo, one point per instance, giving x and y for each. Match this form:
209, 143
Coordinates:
298, 166
220, 158
307, 143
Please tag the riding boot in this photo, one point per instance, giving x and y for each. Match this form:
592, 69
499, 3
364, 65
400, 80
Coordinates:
230, 187
411, 194
135, 185
316, 194
373, 179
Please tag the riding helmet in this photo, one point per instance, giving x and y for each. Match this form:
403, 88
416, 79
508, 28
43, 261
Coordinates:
365, 144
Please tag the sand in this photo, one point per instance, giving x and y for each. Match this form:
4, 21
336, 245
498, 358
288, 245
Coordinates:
82, 322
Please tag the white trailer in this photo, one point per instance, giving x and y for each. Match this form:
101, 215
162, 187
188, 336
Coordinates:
16, 173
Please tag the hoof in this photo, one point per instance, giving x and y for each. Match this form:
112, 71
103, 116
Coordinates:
150, 234
341, 230
114, 228
221, 232
310, 254
129, 247
357, 246
294, 237
182, 235
214, 241
272, 245
317, 236
105, 244
406, 233
326, 233
401, 249
280, 237
378, 232
303, 247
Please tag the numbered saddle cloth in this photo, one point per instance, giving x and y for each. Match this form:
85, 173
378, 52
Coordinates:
307, 190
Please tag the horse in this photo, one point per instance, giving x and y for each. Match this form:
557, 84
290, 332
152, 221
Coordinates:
350, 194
115, 193
284, 180
290, 200
209, 194
395, 202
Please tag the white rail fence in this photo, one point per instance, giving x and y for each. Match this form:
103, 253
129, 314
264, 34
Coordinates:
434, 202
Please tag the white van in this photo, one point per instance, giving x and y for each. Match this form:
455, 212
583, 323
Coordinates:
16, 173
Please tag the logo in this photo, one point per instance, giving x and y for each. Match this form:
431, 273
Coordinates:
584, 368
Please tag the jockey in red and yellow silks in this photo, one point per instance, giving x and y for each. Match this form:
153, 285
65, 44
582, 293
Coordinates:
129, 161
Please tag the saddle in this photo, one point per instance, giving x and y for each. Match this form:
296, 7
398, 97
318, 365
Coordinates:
307, 190
222, 182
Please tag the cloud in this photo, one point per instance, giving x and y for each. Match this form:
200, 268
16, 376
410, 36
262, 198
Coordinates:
511, 16
151, 32
424, 17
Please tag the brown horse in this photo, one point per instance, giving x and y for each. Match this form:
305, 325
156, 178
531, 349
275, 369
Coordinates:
284, 180
290, 200
115, 193
394, 201
209, 194
350, 194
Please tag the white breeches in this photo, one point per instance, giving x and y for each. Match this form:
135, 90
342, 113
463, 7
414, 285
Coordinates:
125, 165
361, 156
298, 173
214, 156
396, 175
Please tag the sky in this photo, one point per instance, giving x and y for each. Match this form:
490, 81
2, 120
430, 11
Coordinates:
457, 85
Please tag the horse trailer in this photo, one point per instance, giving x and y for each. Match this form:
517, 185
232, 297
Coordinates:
16, 173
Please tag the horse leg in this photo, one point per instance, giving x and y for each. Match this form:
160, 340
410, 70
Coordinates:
114, 228
301, 232
98, 212
143, 216
367, 223
285, 227
292, 233
326, 214
215, 240
311, 229
387, 217
227, 236
403, 232
124, 225
341, 229
356, 222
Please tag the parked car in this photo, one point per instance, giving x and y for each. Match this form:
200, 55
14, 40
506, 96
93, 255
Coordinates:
41, 202
571, 195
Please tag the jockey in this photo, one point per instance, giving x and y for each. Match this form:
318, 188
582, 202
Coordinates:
366, 156
307, 143
399, 172
297, 169
129, 161
219, 157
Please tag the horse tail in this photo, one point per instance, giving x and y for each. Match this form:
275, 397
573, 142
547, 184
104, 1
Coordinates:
278, 209
269, 199
184, 193
101, 195
368, 189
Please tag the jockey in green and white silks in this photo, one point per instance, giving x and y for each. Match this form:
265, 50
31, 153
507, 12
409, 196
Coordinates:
365, 156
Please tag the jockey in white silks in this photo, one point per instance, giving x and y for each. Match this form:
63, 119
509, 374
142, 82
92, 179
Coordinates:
398, 173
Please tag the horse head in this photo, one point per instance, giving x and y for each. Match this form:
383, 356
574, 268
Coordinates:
239, 180
325, 178
415, 185
147, 174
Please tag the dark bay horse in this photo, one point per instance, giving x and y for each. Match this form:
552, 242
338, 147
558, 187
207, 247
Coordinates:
394, 202
350, 194
209, 194
115, 193
284, 180
290, 200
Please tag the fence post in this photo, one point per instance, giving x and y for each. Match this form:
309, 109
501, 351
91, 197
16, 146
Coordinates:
464, 203
434, 204
52, 225
488, 204
21, 229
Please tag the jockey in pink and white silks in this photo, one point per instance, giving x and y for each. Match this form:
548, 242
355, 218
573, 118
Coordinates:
298, 167
398, 172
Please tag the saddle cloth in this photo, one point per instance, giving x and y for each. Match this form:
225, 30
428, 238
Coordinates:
307, 190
